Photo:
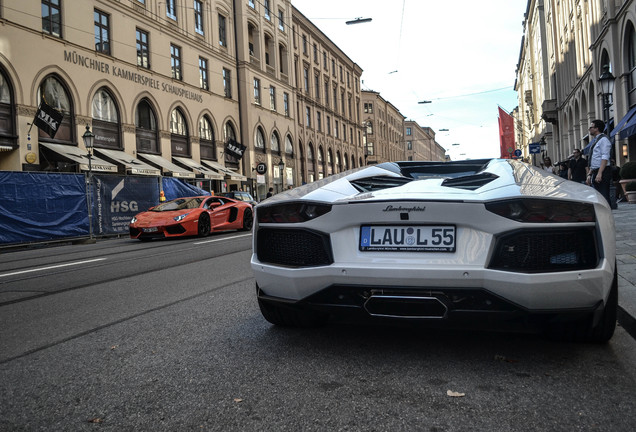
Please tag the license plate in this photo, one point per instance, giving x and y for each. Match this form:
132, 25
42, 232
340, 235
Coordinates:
152, 229
411, 238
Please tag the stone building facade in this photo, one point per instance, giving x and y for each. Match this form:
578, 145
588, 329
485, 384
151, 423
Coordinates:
383, 129
567, 46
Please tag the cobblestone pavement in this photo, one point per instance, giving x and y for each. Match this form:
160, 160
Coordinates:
625, 218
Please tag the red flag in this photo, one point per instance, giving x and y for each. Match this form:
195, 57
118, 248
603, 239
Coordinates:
506, 134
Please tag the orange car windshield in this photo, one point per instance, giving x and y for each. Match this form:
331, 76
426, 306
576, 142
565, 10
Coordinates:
179, 204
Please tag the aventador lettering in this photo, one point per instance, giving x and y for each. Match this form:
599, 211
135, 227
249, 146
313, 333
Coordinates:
137, 78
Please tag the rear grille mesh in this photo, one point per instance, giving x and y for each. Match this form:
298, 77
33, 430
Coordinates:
293, 247
534, 251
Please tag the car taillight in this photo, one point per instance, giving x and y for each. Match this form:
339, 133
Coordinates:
291, 212
543, 210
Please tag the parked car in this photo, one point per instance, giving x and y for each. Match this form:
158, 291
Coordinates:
241, 196
479, 244
191, 216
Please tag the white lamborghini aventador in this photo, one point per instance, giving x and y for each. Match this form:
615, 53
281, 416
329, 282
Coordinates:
478, 243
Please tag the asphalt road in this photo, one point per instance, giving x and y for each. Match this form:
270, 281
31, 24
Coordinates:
164, 336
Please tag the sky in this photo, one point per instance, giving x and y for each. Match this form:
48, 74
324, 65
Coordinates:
461, 55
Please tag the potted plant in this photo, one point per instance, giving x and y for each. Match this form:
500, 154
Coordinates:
627, 174
630, 191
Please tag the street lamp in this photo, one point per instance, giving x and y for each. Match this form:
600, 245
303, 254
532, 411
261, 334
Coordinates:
281, 167
88, 138
607, 86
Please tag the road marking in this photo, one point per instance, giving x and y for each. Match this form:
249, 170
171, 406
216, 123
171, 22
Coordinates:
51, 267
221, 239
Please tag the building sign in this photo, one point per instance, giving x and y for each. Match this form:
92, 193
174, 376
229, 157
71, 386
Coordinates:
137, 78
235, 149
261, 168
48, 119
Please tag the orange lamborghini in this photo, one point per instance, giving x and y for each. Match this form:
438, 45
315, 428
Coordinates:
192, 216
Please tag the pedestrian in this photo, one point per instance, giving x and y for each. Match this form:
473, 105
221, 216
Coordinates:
577, 171
270, 192
547, 165
600, 173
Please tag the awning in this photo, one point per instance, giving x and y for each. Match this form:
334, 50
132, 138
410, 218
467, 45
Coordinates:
207, 172
80, 157
627, 125
133, 166
168, 166
232, 175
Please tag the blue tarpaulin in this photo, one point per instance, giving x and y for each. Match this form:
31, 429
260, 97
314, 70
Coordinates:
176, 188
42, 206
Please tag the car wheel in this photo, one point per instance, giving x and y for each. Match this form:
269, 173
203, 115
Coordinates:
288, 317
584, 330
248, 220
204, 225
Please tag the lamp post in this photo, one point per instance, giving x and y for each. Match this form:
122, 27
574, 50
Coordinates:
88, 138
281, 167
607, 86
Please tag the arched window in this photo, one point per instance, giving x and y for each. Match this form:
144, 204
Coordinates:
274, 142
146, 130
338, 166
631, 64
303, 174
321, 164
329, 162
179, 134
229, 135
311, 161
105, 120
289, 148
54, 93
206, 139
259, 139
7, 112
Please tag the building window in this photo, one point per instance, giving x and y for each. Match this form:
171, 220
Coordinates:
328, 125
336, 129
281, 20
315, 53
222, 34
179, 133
409, 145
335, 99
105, 120
305, 44
203, 74
369, 128
327, 94
307, 116
368, 108
341, 75
175, 62
171, 9
7, 112
206, 139
198, 16
342, 103
102, 32
275, 142
324, 60
306, 80
344, 132
257, 91
146, 131
267, 10
251, 3
333, 67
272, 98
259, 141
286, 104
52, 17
227, 83
55, 94
289, 148
408, 131
143, 49
317, 86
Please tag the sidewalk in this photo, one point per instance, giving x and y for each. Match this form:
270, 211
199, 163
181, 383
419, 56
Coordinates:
625, 218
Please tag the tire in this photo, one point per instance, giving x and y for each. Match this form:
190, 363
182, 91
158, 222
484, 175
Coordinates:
204, 225
583, 330
248, 220
288, 317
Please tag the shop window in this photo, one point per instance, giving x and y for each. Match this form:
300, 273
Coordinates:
146, 128
7, 112
105, 120
54, 93
179, 134
206, 139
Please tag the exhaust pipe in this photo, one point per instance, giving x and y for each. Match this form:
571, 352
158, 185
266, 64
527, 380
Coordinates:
414, 307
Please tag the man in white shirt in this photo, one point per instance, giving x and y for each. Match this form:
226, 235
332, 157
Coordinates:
600, 174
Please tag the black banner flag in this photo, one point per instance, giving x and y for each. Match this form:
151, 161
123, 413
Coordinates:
48, 119
235, 149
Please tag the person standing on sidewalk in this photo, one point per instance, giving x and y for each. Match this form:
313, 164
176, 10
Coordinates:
600, 174
577, 171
